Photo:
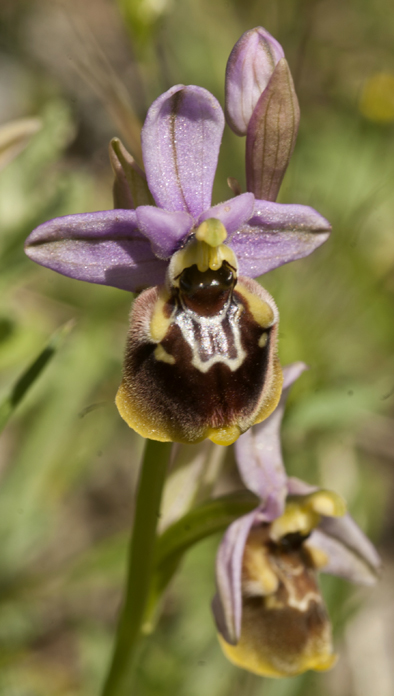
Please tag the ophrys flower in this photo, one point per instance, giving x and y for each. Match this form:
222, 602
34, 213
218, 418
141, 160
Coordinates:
269, 610
201, 353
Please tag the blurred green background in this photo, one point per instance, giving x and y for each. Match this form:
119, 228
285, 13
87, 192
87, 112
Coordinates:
68, 463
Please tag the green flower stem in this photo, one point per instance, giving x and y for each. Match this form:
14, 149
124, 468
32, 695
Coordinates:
140, 566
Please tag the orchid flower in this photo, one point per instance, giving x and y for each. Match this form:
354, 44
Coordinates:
268, 608
201, 356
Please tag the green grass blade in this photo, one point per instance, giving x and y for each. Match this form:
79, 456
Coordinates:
29, 377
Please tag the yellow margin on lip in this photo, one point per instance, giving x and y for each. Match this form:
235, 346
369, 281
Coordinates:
134, 418
272, 398
261, 311
241, 656
159, 323
224, 436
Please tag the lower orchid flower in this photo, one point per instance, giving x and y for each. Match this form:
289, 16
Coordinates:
269, 610
201, 357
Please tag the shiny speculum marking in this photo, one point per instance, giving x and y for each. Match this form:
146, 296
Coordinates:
208, 316
202, 361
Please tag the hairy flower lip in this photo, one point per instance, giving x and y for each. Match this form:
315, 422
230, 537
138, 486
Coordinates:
190, 375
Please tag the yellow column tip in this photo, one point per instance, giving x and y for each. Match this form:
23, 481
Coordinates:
212, 232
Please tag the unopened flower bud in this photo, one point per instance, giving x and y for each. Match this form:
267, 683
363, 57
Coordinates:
272, 134
249, 68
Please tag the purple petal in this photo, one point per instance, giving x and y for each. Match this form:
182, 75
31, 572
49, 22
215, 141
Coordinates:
232, 213
105, 248
249, 68
227, 605
180, 144
290, 375
164, 229
271, 135
259, 453
277, 234
298, 487
351, 555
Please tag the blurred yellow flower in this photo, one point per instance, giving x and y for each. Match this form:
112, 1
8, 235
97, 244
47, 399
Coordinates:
377, 98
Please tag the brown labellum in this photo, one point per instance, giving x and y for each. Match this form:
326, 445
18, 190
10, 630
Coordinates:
201, 356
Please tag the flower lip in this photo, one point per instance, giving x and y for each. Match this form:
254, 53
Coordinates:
193, 372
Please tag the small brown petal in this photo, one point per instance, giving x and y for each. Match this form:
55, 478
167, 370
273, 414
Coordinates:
130, 188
